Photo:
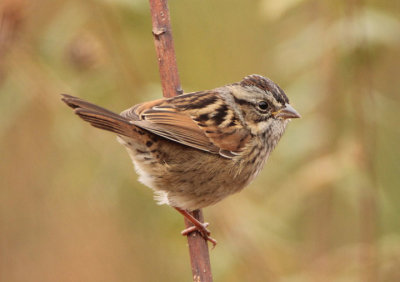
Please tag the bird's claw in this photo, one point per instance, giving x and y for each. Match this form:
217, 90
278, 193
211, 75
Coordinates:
204, 232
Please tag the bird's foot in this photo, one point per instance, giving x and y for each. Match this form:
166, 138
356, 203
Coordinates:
202, 229
197, 226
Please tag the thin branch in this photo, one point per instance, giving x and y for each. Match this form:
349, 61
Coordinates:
164, 44
198, 248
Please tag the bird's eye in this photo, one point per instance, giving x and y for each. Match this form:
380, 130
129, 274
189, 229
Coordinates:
263, 106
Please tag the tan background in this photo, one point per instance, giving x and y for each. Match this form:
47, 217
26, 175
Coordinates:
325, 208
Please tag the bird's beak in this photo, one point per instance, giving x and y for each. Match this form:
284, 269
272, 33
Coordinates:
287, 112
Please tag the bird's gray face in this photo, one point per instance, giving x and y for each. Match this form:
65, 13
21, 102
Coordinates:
264, 105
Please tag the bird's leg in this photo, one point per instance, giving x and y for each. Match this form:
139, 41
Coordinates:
197, 226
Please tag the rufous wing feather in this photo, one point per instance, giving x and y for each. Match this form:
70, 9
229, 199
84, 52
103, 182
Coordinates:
189, 120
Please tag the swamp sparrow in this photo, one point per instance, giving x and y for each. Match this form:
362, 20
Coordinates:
195, 149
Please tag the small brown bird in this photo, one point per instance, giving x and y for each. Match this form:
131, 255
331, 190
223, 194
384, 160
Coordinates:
195, 149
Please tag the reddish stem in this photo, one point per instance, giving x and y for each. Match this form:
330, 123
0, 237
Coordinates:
161, 28
165, 48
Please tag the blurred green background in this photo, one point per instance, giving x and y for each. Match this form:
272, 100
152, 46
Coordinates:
325, 208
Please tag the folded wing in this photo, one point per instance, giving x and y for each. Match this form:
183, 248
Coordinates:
199, 120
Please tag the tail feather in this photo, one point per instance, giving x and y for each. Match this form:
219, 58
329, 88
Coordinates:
76, 103
104, 122
100, 117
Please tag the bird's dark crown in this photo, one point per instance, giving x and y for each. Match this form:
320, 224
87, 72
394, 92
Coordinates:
266, 85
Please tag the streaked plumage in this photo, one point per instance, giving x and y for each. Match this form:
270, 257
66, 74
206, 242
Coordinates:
195, 149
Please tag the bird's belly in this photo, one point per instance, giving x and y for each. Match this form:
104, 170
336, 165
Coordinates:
189, 178
191, 186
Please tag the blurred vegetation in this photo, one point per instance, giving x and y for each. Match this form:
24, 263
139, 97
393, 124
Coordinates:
325, 208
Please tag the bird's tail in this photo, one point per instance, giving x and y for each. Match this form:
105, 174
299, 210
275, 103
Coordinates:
100, 117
